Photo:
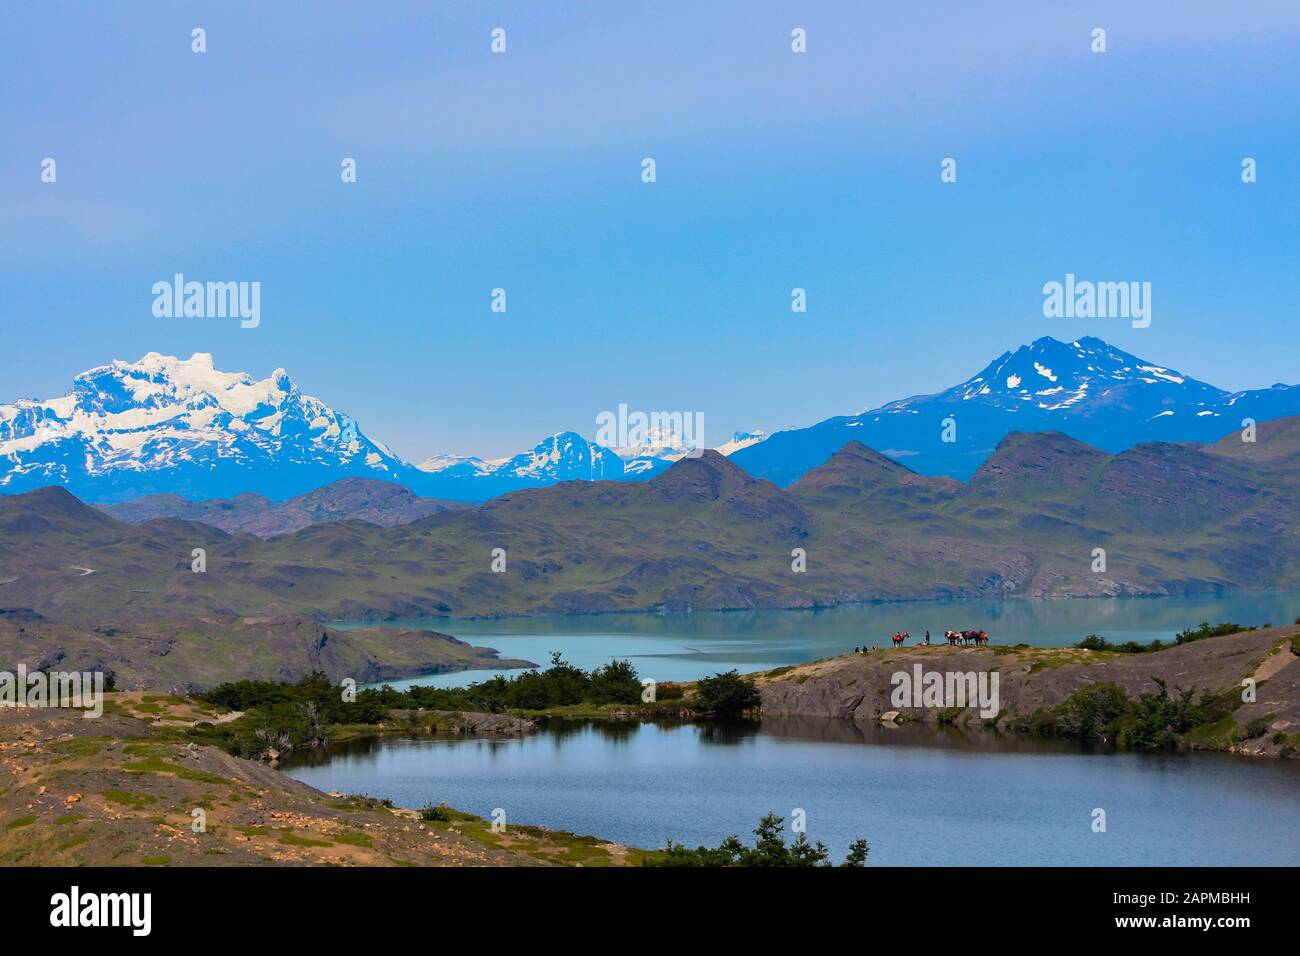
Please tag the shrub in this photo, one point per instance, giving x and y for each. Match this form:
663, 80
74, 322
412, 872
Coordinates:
727, 694
1095, 642
1090, 713
615, 683
669, 692
1259, 726
439, 814
769, 850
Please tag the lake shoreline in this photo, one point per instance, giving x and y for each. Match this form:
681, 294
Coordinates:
1038, 692
811, 609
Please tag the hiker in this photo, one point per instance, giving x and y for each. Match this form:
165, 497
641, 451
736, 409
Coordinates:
927, 637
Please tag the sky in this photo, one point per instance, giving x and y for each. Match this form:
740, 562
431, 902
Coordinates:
522, 170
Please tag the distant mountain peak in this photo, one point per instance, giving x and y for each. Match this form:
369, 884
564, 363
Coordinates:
1085, 387
164, 423
1023, 458
1057, 376
708, 477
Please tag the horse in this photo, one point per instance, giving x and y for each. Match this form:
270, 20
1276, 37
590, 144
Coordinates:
952, 636
900, 637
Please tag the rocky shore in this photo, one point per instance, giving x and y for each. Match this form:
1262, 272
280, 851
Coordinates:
860, 687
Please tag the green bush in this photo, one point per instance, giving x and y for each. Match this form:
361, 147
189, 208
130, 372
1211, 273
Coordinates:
615, 683
1104, 712
1092, 712
727, 694
1259, 726
439, 814
769, 849
284, 716
669, 692
1095, 642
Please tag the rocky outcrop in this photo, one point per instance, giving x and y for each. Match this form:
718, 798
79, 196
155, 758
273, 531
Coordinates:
859, 686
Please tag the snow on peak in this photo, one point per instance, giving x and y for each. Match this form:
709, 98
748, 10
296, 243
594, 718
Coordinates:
163, 412
1080, 371
741, 440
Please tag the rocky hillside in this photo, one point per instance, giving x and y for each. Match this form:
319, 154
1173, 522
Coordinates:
185, 653
859, 686
383, 503
122, 790
1034, 520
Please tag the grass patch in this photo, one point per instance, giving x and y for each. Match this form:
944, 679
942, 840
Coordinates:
20, 822
136, 801
158, 765
290, 838
80, 746
355, 839
1215, 736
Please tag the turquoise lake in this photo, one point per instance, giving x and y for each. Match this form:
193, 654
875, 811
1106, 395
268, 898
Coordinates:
672, 647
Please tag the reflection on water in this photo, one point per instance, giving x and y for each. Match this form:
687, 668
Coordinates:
668, 647
921, 796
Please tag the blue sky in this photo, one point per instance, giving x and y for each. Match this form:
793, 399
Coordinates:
522, 171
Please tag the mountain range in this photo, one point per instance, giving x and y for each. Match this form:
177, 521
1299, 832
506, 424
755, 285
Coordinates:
383, 503
1085, 388
165, 425
1033, 520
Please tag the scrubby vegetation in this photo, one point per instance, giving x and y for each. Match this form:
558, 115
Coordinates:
1104, 713
1095, 642
436, 814
280, 717
727, 694
769, 849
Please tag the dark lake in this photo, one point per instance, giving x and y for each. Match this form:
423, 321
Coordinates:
921, 796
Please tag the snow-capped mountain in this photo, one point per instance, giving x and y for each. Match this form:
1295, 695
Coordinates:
463, 466
1086, 388
667, 445
565, 456
165, 424
740, 440
658, 443
180, 426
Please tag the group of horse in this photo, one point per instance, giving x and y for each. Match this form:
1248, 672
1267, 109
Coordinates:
967, 637
954, 637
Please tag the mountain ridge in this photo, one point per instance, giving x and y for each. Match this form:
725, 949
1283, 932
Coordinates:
1167, 518
165, 425
1092, 391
